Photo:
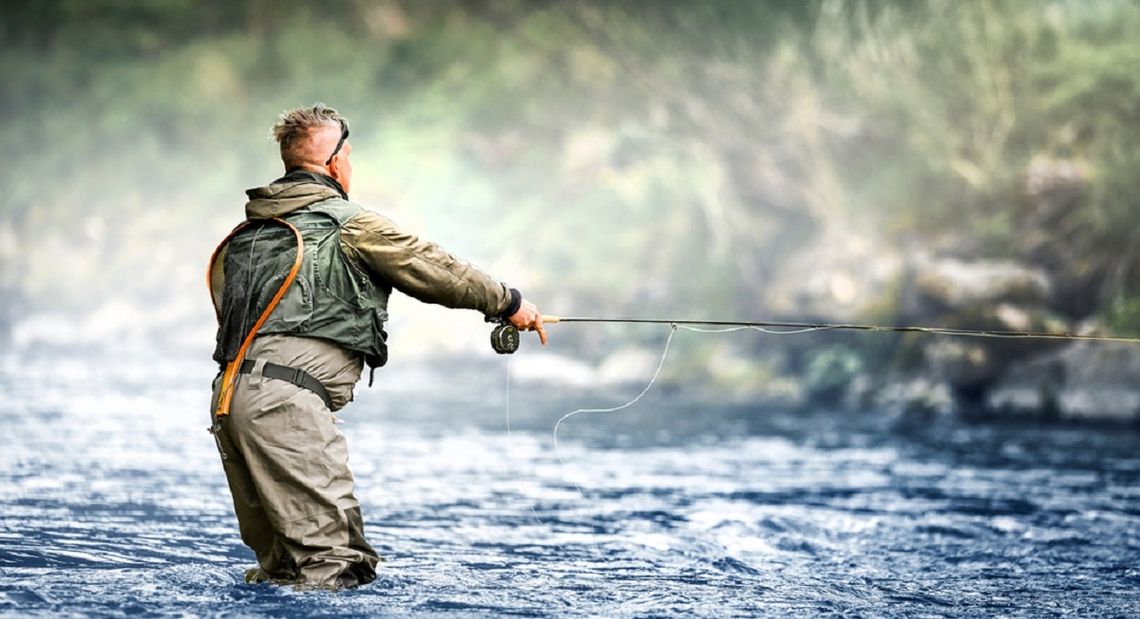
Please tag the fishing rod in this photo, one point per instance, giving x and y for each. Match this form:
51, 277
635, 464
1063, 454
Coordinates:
505, 337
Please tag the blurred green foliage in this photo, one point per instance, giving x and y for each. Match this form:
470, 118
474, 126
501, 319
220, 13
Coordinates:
616, 157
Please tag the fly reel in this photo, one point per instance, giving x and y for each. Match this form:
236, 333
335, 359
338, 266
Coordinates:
505, 339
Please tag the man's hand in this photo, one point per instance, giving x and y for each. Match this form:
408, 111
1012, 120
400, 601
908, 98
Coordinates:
528, 318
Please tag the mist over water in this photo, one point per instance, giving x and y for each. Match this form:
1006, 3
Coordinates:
114, 503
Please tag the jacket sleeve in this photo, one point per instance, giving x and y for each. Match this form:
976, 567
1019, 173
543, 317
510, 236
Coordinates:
419, 268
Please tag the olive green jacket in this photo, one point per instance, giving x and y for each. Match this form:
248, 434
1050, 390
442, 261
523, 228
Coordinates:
375, 248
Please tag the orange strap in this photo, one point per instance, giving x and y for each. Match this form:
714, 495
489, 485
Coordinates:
229, 376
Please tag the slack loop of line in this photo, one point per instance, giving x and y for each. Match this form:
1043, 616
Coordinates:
674, 326
789, 328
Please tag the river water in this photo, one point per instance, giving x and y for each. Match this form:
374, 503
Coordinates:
113, 503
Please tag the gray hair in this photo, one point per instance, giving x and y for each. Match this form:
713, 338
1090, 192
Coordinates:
293, 128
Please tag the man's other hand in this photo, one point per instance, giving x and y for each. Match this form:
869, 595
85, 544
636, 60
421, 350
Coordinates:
528, 318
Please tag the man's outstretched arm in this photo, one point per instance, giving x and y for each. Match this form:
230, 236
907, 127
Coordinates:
425, 271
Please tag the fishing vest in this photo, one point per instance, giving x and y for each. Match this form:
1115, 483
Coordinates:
330, 298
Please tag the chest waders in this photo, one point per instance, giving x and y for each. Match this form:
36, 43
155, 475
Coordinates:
234, 367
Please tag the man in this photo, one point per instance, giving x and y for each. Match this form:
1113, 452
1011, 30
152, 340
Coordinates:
301, 291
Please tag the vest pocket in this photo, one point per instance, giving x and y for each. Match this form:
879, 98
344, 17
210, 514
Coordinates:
296, 307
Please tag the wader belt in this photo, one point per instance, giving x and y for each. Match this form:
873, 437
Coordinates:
297, 376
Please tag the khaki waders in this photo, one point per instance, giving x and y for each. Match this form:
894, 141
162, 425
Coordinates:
287, 468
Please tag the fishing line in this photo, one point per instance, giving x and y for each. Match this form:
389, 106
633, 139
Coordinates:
673, 328
808, 326
505, 340
752, 328
779, 328
558, 452
660, 364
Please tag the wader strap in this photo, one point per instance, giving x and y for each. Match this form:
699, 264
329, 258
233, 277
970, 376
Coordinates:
229, 376
297, 376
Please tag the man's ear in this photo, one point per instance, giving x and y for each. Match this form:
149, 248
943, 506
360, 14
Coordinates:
336, 170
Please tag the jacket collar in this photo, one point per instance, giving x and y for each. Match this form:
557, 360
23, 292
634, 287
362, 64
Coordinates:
305, 176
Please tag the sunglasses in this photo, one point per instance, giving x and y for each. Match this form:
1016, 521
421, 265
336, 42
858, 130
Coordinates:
343, 137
